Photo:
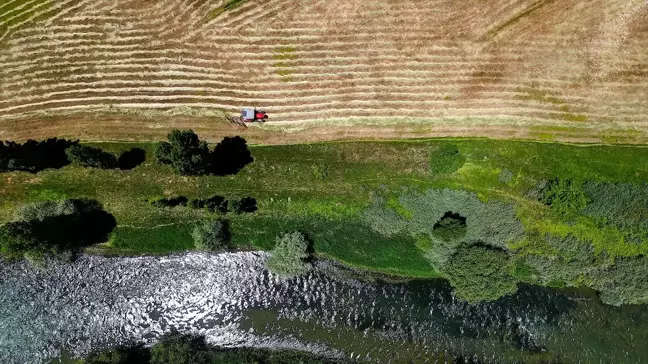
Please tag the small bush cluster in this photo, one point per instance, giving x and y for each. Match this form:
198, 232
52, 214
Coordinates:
34, 156
189, 156
92, 157
290, 255
60, 228
215, 203
479, 272
446, 159
451, 227
212, 235
176, 348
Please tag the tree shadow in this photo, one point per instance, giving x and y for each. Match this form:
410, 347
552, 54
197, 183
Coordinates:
230, 156
131, 159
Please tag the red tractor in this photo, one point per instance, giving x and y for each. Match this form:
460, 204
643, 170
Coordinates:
250, 115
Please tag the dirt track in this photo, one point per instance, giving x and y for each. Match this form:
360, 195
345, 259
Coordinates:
325, 65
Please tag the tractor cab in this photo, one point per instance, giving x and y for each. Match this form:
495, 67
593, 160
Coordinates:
250, 115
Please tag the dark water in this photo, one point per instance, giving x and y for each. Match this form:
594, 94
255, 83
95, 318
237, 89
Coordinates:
97, 302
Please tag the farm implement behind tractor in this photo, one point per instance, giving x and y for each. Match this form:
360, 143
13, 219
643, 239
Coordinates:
250, 115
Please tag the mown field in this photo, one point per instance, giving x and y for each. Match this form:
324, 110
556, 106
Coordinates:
500, 68
336, 192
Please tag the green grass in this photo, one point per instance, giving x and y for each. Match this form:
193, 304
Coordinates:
230, 5
12, 13
322, 189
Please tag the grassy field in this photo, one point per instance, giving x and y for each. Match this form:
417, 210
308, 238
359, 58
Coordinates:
496, 67
323, 190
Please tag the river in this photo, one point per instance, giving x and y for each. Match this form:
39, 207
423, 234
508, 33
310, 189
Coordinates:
97, 302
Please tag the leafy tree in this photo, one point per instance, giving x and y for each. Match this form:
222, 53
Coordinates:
131, 158
230, 156
91, 157
446, 159
451, 227
564, 196
175, 348
480, 273
68, 231
135, 354
184, 152
33, 156
289, 257
212, 235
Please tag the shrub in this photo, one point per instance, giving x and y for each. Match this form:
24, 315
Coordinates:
230, 156
68, 232
619, 204
213, 204
33, 156
170, 202
131, 158
184, 152
625, 282
446, 159
288, 258
212, 235
565, 196
243, 205
91, 157
480, 273
451, 227
41, 210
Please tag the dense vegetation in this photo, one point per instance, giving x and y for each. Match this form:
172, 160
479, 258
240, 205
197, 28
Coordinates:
549, 217
58, 228
289, 256
33, 156
189, 156
184, 349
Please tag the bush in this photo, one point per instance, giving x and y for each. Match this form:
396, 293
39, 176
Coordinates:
480, 273
184, 152
243, 205
91, 157
213, 204
446, 159
170, 202
230, 156
33, 156
451, 227
41, 210
619, 204
131, 158
212, 235
288, 258
565, 196
62, 234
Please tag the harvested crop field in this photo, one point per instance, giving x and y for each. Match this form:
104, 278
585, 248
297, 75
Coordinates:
439, 65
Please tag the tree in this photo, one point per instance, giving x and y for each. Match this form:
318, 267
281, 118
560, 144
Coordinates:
175, 348
91, 157
34, 156
288, 258
184, 152
230, 156
480, 273
243, 205
212, 235
452, 226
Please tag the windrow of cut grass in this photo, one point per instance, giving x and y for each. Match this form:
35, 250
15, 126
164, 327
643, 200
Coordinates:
325, 189
558, 65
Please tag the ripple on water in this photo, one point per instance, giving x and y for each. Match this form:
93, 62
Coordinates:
96, 302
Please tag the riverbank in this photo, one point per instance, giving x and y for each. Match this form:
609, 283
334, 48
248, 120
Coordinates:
329, 190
